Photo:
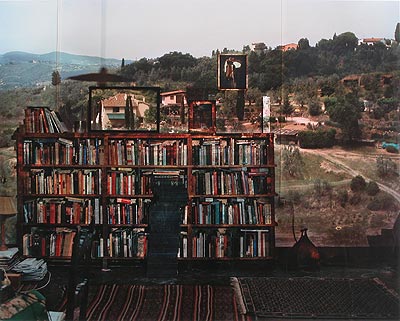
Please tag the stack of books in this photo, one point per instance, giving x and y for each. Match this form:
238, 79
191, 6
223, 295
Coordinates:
9, 258
32, 269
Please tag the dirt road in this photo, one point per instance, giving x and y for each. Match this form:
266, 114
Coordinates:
334, 158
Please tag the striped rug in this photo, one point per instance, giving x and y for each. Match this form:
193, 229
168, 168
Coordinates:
163, 303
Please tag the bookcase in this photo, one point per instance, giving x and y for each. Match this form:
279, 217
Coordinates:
67, 180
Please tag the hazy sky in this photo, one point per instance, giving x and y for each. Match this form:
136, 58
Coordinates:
133, 29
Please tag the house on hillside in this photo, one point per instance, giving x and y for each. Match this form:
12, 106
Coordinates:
289, 46
370, 41
174, 110
258, 47
351, 80
373, 41
113, 110
176, 97
358, 80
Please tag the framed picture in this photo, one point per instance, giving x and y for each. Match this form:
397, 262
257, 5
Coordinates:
124, 109
202, 116
232, 72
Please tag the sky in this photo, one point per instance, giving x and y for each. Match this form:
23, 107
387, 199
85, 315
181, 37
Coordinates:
133, 29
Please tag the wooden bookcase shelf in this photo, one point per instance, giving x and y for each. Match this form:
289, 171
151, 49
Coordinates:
106, 179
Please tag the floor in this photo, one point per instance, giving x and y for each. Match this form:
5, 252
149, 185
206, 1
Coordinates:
220, 273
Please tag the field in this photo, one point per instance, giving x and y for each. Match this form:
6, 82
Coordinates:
330, 219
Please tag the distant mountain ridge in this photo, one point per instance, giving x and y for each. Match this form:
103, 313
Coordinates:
24, 69
51, 57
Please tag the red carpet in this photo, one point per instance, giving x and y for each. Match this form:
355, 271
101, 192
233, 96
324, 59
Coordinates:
163, 303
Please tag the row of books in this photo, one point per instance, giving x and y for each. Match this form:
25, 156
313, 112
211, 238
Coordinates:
212, 246
255, 244
63, 181
64, 210
128, 211
222, 244
230, 211
237, 152
62, 151
51, 243
59, 181
147, 152
43, 120
122, 182
126, 242
232, 182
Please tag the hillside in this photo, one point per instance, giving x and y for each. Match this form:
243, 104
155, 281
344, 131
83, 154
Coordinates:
22, 69
324, 202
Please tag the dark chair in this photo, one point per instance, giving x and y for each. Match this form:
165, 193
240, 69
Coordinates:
78, 283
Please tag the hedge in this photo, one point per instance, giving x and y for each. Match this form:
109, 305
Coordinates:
317, 139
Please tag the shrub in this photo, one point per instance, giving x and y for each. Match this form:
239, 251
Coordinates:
355, 199
358, 184
332, 123
372, 188
382, 202
388, 104
317, 139
282, 119
386, 167
314, 108
322, 187
294, 197
392, 149
343, 197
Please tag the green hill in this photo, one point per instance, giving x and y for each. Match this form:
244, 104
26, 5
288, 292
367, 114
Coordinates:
22, 69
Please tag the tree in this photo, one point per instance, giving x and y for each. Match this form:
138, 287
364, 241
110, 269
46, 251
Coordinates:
322, 187
246, 49
253, 95
292, 160
358, 184
397, 33
345, 43
314, 107
346, 112
55, 78
386, 167
372, 87
303, 44
286, 108
240, 105
372, 188
177, 60
304, 90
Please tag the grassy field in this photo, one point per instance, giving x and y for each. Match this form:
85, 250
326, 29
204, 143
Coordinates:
314, 169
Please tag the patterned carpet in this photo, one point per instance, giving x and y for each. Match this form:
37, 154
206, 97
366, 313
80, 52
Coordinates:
307, 297
163, 303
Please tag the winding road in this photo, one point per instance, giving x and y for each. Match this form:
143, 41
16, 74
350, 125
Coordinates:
326, 154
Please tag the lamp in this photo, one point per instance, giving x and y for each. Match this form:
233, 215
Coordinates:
7, 208
102, 77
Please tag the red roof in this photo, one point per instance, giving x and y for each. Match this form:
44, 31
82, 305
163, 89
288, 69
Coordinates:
117, 100
372, 39
288, 46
